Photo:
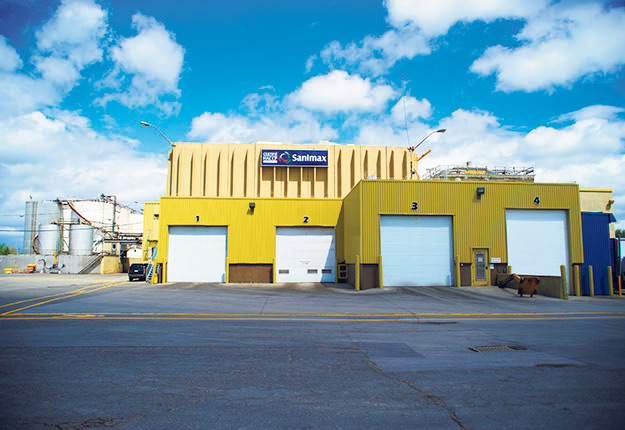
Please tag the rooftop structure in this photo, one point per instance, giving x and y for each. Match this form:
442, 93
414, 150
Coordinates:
469, 172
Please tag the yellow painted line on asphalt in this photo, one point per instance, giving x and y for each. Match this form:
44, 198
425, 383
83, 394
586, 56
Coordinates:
66, 296
323, 315
103, 317
51, 295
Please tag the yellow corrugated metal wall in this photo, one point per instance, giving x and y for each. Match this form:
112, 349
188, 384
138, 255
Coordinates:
233, 170
251, 237
150, 227
477, 223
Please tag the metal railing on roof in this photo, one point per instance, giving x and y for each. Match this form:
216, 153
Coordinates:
470, 172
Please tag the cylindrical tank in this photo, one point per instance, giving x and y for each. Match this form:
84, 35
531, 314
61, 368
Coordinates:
48, 212
30, 225
80, 239
49, 239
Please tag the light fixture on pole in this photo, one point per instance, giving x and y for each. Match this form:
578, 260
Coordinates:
413, 148
147, 124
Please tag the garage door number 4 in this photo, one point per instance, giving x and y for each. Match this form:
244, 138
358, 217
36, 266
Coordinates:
536, 200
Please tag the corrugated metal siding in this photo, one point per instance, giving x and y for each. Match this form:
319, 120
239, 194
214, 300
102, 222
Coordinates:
233, 170
350, 240
150, 227
596, 235
477, 223
251, 237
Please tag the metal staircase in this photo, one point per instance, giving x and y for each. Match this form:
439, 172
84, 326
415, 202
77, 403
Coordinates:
91, 264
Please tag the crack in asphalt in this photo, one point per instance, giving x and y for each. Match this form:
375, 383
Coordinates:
425, 394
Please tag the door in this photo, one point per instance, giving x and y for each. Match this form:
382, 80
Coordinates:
481, 270
537, 241
197, 254
416, 250
304, 254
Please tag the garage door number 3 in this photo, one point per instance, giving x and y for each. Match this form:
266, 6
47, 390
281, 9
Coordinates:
414, 206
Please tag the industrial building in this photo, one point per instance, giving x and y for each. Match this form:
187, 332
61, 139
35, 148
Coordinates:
326, 213
84, 235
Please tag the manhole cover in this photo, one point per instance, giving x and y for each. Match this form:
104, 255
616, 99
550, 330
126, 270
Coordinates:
498, 348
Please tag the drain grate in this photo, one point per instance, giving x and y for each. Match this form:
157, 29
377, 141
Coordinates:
498, 348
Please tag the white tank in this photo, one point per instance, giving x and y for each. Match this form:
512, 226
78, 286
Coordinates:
30, 226
48, 212
49, 239
80, 239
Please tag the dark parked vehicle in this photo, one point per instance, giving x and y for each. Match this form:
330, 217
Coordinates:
137, 271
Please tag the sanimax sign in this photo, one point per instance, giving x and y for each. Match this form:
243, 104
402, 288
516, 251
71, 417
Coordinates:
294, 158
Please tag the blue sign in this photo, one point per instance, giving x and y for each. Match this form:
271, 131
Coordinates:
294, 158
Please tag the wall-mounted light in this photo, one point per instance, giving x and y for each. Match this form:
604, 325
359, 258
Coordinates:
480, 192
252, 206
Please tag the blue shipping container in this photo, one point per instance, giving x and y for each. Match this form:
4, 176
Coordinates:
597, 251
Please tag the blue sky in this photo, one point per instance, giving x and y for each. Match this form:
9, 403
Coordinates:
516, 83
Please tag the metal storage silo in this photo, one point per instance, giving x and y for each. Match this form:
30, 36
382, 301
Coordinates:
30, 226
49, 212
80, 239
49, 239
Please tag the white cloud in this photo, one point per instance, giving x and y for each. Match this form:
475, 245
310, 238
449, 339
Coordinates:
70, 41
154, 60
435, 18
61, 155
20, 94
9, 58
296, 126
66, 44
338, 91
409, 109
561, 45
375, 56
415, 25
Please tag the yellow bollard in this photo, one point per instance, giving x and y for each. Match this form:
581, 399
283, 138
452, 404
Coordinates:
578, 280
610, 282
357, 273
227, 270
591, 282
565, 288
380, 281
457, 271
273, 271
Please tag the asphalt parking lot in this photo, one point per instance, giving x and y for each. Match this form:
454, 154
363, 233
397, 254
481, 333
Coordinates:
82, 352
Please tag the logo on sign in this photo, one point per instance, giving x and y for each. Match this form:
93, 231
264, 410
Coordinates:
294, 158
270, 157
285, 158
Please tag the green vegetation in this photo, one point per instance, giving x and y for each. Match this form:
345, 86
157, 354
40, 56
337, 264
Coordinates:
5, 250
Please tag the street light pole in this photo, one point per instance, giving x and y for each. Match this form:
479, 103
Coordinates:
412, 148
146, 124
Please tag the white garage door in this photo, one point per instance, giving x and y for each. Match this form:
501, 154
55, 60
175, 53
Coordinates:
416, 250
304, 254
537, 241
197, 254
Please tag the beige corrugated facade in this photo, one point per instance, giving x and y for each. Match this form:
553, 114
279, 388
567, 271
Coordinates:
234, 170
